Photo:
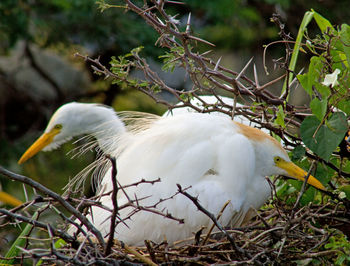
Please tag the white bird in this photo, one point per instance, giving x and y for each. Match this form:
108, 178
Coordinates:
102, 123
212, 100
219, 159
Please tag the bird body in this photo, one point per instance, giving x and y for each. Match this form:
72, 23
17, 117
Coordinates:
207, 153
215, 158
213, 100
206, 100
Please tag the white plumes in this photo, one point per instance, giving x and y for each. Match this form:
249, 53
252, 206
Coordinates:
203, 151
55, 145
103, 138
212, 100
96, 171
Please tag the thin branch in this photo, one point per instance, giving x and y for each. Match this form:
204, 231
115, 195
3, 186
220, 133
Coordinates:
64, 203
115, 206
213, 218
56, 232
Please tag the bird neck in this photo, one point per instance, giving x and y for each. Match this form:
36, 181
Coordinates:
105, 126
106, 137
262, 157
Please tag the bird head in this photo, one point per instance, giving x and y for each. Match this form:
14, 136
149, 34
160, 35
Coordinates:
70, 120
272, 159
286, 167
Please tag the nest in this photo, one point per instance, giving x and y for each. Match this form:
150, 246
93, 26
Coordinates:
280, 233
275, 236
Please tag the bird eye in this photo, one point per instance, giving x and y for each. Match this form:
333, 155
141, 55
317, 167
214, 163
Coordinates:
58, 126
277, 159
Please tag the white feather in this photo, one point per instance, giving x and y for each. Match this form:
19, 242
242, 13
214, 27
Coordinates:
203, 151
217, 159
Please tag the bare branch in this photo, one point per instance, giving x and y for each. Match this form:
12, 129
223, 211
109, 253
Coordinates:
64, 203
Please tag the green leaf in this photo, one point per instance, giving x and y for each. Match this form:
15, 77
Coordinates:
312, 77
58, 244
285, 189
338, 124
304, 82
135, 51
340, 260
280, 117
318, 108
306, 20
308, 196
324, 173
327, 138
345, 39
324, 90
322, 22
338, 57
298, 153
315, 68
346, 190
344, 106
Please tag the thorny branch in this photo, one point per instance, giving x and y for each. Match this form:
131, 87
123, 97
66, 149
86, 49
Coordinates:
22, 218
213, 218
115, 206
209, 76
111, 239
58, 198
257, 240
171, 36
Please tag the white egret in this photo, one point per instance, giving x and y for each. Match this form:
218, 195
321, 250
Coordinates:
212, 100
220, 159
76, 119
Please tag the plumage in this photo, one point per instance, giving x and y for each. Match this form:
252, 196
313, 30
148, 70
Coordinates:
184, 150
214, 101
218, 159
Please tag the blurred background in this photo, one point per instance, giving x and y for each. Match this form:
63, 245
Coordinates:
38, 70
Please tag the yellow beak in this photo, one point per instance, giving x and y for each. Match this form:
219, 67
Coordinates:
8, 199
39, 144
298, 173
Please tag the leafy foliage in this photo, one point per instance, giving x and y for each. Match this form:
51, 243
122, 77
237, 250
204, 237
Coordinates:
327, 82
323, 139
341, 244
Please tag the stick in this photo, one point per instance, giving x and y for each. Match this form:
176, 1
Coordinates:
64, 203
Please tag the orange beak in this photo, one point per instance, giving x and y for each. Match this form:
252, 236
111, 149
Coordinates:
44, 140
8, 199
295, 171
